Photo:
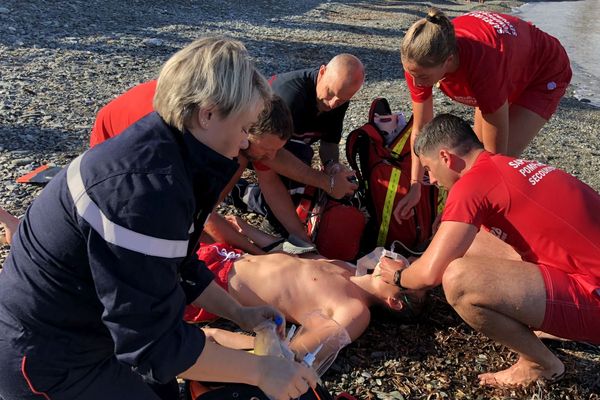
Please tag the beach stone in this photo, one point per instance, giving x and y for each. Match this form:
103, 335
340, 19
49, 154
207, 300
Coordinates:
21, 162
153, 42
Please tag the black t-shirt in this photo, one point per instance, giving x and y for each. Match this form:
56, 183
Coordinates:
299, 91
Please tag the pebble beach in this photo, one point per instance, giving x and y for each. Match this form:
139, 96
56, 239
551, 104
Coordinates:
61, 61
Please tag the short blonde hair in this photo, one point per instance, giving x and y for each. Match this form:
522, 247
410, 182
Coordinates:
210, 72
429, 41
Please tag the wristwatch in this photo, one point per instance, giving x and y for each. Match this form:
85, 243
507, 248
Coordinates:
398, 277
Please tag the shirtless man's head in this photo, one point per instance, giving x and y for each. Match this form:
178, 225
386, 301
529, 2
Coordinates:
338, 81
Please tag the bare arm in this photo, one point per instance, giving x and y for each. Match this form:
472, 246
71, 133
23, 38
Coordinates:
278, 378
232, 340
354, 316
347, 323
495, 128
222, 231
288, 165
216, 300
422, 114
278, 198
449, 243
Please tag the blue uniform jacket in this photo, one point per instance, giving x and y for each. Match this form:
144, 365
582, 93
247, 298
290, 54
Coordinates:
96, 268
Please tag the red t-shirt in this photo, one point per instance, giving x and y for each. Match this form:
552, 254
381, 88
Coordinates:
122, 112
260, 166
499, 57
548, 216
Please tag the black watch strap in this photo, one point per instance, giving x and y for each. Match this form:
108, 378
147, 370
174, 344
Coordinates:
398, 278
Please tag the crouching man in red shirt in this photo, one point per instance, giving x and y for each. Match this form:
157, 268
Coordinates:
549, 218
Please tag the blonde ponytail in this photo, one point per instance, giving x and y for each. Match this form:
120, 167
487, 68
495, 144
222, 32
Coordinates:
429, 41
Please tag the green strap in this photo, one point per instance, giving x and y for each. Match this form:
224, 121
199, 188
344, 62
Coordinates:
442, 196
390, 196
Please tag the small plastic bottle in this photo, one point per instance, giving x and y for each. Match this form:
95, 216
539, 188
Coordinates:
369, 261
267, 342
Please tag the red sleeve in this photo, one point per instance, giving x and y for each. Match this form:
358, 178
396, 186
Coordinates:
260, 166
463, 206
471, 198
417, 94
122, 112
100, 132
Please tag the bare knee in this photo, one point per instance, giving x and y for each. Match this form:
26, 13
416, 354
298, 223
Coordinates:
455, 281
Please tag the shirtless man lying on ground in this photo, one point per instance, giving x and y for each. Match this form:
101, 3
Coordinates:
298, 286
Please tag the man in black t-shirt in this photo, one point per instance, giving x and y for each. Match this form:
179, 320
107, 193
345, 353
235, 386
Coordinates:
318, 99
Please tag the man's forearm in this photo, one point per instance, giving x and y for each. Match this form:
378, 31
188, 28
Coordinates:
290, 166
280, 202
216, 300
221, 231
215, 362
495, 127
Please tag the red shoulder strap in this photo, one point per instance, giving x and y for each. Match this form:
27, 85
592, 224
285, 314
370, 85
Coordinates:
368, 132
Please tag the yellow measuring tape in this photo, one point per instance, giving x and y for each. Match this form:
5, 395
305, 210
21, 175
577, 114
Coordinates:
388, 205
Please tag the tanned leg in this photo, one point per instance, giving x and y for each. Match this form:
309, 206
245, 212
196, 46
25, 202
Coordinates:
488, 245
502, 299
523, 126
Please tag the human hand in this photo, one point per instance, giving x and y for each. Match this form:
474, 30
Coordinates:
386, 268
250, 317
236, 222
283, 379
344, 183
404, 209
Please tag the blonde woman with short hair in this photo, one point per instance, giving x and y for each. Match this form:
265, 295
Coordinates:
93, 292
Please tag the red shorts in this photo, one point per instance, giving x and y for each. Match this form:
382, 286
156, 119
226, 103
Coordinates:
543, 95
572, 309
219, 258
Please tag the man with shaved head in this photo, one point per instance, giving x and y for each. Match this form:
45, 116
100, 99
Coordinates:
318, 99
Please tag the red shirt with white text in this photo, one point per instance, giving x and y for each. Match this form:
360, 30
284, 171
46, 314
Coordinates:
548, 216
499, 57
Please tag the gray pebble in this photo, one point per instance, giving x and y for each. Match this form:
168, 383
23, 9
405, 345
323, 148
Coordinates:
19, 162
153, 42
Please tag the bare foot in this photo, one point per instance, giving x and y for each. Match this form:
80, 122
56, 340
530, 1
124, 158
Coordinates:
10, 224
522, 373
